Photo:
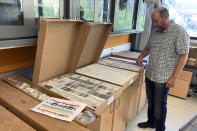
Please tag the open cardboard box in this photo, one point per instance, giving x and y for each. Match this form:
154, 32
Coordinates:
63, 57
57, 57
76, 47
12, 81
61, 45
133, 100
58, 50
20, 104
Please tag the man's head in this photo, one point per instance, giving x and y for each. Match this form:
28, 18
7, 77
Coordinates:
160, 18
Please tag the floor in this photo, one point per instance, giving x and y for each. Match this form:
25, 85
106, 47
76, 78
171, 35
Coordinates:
179, 112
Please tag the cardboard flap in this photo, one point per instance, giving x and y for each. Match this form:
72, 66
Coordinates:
57, 48
95, 36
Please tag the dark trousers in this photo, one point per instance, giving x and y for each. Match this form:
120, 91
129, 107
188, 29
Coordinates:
157, 94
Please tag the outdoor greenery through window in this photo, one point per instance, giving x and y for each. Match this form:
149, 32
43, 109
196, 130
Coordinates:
94, 10
141, 15
123, 15
87, 10
184, 13
47, 8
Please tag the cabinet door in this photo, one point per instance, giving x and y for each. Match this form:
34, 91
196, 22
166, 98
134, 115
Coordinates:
121, 106
143, 98
137, 98
133, 102
107, 119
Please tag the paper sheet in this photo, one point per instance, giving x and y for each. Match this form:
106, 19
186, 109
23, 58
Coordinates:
61, 109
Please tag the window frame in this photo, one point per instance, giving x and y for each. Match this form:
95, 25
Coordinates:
192, 38
73, 11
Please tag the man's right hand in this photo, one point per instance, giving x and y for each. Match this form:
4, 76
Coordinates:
140, 61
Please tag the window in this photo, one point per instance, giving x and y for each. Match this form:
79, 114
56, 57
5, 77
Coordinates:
141, 15
123, 15
47, 8
95, 10
119, 12
183, 12
87, 10
11, 12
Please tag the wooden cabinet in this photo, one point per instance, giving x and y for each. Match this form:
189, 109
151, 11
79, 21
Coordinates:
107, 119
132, 102
143, 98
120, 112
10, 122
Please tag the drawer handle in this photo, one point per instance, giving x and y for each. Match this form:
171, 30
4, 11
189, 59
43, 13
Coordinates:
112, 107
118, 105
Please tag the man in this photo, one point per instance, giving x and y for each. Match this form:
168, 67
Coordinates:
168, 49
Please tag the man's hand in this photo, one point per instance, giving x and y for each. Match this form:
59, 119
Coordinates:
140, 61
179, 66
170, 83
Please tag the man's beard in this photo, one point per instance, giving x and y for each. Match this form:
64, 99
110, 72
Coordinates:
162, 27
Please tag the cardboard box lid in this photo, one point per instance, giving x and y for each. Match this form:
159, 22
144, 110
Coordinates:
129, 55
76, 44
122, 63
9, 122
56, 48
96, 34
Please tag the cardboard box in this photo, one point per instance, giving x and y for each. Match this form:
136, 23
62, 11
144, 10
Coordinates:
87, 51
10, 122
13, 80
20, 104
77, 55
137, 93
181, 85
136, 96
126, 106
192, 57
121, 63
109, 74
62, 46
56, 48
120, 77
129, 55
74, 54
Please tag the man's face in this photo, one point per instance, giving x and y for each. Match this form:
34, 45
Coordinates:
158, 22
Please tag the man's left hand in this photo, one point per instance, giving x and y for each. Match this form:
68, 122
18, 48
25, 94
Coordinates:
170, 83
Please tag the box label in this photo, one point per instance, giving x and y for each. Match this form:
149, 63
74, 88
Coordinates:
110, 100
131, 82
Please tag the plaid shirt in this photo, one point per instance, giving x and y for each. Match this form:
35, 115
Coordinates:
164, 49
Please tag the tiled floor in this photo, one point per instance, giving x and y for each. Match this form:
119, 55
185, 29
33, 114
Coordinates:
179, 112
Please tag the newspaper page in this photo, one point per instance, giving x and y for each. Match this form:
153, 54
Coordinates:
61, 109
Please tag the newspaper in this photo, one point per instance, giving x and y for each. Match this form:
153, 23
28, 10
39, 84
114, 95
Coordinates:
61, 109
